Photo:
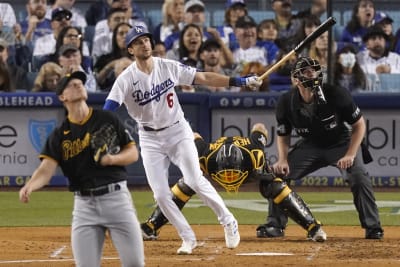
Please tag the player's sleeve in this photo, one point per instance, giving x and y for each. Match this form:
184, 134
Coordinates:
117, 92
52, 148
284, 127
186, 74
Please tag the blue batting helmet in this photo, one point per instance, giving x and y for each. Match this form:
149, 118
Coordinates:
136, 32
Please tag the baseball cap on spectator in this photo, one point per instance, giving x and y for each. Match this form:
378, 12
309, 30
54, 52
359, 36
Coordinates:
60, 13
381, 17
63, 82
67, 48
210, 43
234, 3
3, 44
374, 30
194, 5
245, 21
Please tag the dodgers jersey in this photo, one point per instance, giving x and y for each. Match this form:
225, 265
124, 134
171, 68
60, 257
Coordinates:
151, 99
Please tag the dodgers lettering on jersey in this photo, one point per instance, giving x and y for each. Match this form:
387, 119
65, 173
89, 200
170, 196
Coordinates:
150, 98
155, 93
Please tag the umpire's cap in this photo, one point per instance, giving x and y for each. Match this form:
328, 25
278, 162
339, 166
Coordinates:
136, 32
67, 78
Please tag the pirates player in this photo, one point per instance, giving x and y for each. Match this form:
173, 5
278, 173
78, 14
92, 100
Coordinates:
231, 161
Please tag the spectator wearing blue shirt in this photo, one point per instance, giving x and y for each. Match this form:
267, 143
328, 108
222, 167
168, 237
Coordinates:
36, 24
172, 20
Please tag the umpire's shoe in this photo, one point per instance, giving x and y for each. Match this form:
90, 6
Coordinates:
264, 230
374, 233
148, 232
317, 234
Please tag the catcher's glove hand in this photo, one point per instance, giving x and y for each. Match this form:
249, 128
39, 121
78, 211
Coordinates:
104, 141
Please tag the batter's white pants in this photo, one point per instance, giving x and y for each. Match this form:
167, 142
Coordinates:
176, 144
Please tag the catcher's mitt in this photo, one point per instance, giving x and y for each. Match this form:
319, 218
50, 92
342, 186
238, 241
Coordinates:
104, 141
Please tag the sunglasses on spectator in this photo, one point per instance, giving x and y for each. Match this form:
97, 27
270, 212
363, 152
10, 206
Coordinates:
62, 16
73, 36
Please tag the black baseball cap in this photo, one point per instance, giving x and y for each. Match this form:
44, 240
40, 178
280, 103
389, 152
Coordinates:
374, 30
245, 21
63, 82
66, 48
210, 43
60, 12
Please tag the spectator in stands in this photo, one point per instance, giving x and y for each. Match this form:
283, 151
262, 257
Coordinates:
172, 19
280, 80
255, 68
102, 41
7, 15
248, 50
47, 78
288, 25
376, 59
267, 30
36, 24
77, 19
70, 59
386, 22
6, 33
189, 45
121, 65
159, 50
362, 17
317, 8
99, 10
11, 75
210, 56
46, 44
347, 71
310, 23
105, 65
234, 10
319, 50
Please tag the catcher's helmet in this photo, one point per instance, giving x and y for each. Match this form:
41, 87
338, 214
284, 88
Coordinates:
309, 82
229, 161
136, 32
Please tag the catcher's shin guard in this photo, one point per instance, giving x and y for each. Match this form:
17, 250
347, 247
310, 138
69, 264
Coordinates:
292, 204
181, 194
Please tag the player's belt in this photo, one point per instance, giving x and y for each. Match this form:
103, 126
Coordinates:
149, 129
98, 191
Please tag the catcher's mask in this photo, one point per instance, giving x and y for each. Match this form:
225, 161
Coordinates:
229, 161
308, 78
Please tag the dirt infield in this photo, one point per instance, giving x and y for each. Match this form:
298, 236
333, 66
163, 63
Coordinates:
346, 246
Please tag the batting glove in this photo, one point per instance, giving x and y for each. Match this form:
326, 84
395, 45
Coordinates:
251, 82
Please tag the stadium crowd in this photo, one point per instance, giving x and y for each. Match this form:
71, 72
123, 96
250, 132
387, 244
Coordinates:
55, 37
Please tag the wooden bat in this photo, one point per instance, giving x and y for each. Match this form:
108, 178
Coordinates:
309, 39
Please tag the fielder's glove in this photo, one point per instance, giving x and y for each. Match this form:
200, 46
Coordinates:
104, 141
251, 82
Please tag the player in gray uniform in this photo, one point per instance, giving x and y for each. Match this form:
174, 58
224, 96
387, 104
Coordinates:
332, 128
146, 88
102, 200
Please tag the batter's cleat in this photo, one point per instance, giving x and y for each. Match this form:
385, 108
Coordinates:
317, 234
374, 233
232, 236
187, 247
148, 233
269, 231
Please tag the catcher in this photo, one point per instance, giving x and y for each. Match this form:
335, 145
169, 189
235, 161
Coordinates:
231, 161
92, 147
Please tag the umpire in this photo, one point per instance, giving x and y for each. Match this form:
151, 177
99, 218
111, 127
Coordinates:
332, 128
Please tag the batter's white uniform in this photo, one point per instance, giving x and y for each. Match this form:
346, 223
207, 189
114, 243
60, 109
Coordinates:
152, 101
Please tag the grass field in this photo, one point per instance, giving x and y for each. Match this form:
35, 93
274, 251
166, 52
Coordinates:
54, 208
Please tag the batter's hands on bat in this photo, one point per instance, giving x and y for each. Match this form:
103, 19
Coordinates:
251, 82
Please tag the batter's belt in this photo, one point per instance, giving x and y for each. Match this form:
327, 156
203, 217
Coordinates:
149, 129
99, 191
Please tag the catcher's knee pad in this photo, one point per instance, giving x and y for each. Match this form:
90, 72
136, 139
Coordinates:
276, 190
181, 193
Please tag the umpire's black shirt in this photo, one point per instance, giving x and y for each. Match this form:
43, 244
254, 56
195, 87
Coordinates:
322, 124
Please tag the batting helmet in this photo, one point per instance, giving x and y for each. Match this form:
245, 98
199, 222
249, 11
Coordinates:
301, 64
229, 161
136, 32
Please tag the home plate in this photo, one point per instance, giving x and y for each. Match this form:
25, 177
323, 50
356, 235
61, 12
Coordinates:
264, 254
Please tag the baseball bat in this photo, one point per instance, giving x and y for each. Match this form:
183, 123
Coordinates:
309, 39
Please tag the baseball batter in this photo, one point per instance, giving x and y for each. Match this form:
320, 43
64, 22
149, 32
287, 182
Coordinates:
146, 88
102, 200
